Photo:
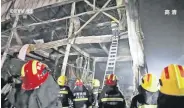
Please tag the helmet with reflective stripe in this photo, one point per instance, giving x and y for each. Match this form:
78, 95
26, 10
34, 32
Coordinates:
111, 80
62, 80
33, 74
172, 80
96, 83
79, 82
150, 82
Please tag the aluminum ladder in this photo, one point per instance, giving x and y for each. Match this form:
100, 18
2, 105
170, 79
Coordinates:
111, 62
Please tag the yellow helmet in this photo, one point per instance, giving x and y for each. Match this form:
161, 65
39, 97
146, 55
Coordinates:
62, 80
150, 82
172, 80
96, 83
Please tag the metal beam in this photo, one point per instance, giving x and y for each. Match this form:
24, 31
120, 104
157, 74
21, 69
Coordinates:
17, 37
87, 22
70, 32
118, 59
9, 42
78, 40
108, 15
122, 15
68, 17
80, 51
104, 48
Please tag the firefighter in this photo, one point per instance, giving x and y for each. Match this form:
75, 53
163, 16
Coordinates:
148, 93
96, 85
82, 97
172, 87
111, 96
65, 94
38, 88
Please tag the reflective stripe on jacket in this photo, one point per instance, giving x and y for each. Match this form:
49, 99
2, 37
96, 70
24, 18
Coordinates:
81, 99
148, 106
112, 99
63, 92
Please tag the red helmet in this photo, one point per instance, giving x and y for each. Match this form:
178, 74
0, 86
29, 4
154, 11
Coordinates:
33, 74
78, 83
111, 80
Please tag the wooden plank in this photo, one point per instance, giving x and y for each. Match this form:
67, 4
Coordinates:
78, 40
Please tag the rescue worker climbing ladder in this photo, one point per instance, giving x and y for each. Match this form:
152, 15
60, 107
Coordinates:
148, 93
65, 94
111, 96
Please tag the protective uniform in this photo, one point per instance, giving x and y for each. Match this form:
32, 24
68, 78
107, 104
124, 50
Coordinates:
38, 88
96, 85
82, 97
148, 93
65, 94
172, 87
111, 96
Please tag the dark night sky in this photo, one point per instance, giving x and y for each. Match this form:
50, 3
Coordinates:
164, 35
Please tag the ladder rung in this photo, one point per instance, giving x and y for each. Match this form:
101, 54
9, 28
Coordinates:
109, 72
114, 43
112, 59
113, 51
112, 56
114, 48
111, 63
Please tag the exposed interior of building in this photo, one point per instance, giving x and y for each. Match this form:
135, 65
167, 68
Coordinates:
91, 39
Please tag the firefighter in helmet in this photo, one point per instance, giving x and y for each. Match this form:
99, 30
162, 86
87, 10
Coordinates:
65, 94
96, 85
171, 87
82, 97
148, 93
38, 88
111, 96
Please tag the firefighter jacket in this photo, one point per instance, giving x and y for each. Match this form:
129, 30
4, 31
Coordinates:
111, 97
168, 101
65, 95
144, 99
82, 97
95, 96
46, 96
